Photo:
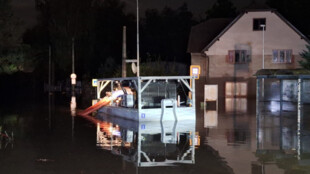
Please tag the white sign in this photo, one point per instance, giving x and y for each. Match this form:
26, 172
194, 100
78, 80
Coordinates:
95, 82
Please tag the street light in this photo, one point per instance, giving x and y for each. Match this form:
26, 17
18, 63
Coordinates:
263, 26
73, 75
263, 81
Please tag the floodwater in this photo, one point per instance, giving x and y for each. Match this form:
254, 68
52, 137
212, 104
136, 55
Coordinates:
51, 138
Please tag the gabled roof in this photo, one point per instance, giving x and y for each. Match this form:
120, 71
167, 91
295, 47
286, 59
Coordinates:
205, 34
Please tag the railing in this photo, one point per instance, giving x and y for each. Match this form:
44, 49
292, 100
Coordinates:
140, 84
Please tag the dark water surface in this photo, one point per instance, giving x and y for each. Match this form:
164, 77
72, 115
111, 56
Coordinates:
38, 138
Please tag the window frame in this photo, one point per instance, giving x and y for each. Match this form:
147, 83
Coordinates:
259, 20
234, 59
284, 59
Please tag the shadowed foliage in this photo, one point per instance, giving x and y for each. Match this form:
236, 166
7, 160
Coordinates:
306, 56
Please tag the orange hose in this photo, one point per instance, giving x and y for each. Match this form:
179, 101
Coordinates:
103, 102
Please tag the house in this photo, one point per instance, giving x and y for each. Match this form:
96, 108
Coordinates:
231, 51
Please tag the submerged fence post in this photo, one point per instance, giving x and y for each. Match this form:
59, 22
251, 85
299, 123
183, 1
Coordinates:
281, 115
257, 110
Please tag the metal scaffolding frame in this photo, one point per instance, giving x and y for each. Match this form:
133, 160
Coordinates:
103, 83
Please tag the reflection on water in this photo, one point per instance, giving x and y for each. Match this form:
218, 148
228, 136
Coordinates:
6, 131
236, 104
149, 143
51, 139
283, 140
210, 119
272, 141
6, 140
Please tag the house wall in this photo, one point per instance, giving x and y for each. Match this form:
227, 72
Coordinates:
220, 68
278, 35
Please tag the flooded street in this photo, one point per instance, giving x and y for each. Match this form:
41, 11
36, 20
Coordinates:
38, 138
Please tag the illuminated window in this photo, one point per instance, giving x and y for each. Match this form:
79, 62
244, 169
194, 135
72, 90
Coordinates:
238, 89
257, 22
238, 56
282, 56
235, 104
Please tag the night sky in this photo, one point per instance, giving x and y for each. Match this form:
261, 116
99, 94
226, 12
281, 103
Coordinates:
25, 9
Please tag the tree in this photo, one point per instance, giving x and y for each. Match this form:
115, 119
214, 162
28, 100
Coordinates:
222, 9
60, 21
306, 56
96, 26
109, 19
165, 33
13, 54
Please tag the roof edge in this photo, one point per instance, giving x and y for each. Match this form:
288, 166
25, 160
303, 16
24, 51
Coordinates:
257, 10
293, 27
224, 31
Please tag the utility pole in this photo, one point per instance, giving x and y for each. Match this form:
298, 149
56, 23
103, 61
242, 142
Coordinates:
124, 53
73, 75
138, 49
49, 69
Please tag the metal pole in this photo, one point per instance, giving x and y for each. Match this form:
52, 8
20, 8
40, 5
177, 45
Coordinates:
73, 55
73, 76
263, 26
263, 47
138, 49
263, 66
49, 86
193, 93
299, 117
49, 69
124, 53
281, 114
257, 112
139, 95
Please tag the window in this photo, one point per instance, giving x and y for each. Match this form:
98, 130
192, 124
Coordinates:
236, 89
257, 22
282, 56
238, 56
